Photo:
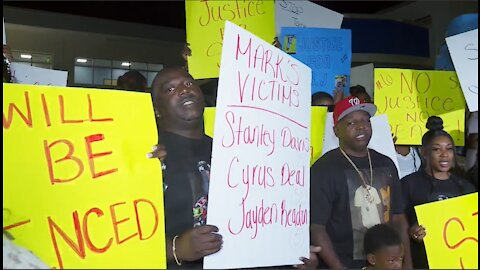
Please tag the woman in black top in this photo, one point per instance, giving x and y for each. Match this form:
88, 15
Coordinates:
433, 183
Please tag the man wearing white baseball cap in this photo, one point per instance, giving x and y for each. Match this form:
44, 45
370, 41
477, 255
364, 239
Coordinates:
352, 189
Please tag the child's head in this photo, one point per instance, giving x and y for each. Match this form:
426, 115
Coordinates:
322, 99
132, 80
383, 247
438, 148
360, 92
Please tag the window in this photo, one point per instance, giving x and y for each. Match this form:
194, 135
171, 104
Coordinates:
41, 60
102, 72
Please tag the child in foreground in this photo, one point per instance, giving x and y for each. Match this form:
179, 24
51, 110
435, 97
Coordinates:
383, 247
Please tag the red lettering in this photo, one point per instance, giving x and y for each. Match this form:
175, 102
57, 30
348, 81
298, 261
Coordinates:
45, 110
248, 50
7, 121
90, 112
68, 156
78, 247
454, 246
116, 222
229, 172
62, 112
91, 156
241, 89
90, 245
135, 204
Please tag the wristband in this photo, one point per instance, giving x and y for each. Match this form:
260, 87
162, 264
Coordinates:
174, 248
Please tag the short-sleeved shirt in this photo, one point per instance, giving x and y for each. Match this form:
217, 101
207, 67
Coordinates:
410, 163
186, 180
340, 202
420, 188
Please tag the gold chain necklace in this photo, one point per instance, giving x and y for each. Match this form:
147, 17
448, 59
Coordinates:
365, 185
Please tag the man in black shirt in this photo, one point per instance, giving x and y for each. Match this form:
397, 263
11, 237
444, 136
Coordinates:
179, 105
352, 189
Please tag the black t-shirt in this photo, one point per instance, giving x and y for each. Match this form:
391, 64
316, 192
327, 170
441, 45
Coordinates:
186, 178
340, 203
420, 188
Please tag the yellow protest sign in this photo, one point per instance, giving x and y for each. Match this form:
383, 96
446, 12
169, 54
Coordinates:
209, 120
317, 129
205, 25
78, 189
409, 97
452, 232
317, 132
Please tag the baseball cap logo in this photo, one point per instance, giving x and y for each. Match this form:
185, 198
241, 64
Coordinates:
354, 101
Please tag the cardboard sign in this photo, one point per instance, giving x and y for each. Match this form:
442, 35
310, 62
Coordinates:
452, 232
463, 49
304, 14
409, 97
26, 74
381, 140
317, 129
78, 190
259, 188
205, 29
328, 52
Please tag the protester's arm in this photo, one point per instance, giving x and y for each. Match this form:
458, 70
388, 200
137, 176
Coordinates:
401, 220
195, 244
319, 237
337, 95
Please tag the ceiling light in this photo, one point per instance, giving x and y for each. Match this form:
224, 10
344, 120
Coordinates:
26, 56
126, 64
81, 60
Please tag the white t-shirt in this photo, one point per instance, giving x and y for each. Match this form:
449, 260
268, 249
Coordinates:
409, 164
369, 211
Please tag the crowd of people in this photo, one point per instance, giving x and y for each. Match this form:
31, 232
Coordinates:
339, 219
362, 212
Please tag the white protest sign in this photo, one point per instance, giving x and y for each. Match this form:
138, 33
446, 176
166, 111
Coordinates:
26, 74
363, 75
259, 193
303, 13
381, 140
463, 49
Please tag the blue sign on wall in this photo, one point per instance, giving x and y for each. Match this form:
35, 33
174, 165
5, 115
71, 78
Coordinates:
328, 52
